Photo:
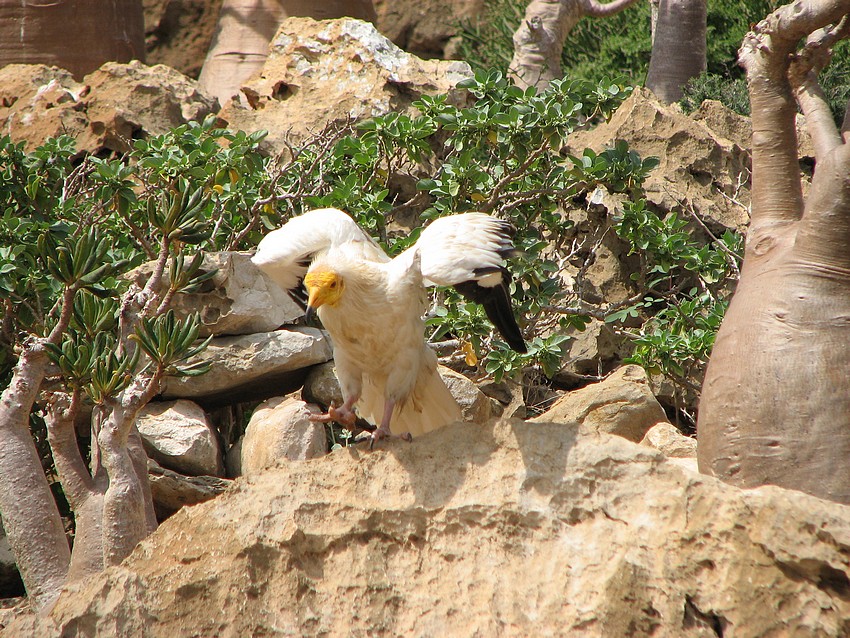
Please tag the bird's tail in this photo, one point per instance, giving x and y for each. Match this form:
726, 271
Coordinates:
430, 406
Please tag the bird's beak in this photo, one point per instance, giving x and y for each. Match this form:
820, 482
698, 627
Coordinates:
314, 300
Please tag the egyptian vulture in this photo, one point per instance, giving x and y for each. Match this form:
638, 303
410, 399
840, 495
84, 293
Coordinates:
373, 306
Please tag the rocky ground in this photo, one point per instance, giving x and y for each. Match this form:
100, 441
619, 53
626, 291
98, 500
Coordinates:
589, 519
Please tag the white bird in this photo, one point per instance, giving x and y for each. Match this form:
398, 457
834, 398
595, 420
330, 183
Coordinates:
373, 306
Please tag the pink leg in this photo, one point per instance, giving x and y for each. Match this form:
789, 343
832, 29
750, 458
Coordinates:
344, 414
383, 432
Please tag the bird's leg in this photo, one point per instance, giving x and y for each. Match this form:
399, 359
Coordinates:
344, 414
383, 431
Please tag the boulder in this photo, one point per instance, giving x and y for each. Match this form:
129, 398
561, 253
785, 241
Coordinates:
172, 491
112, 106
511, 529
319, 72
239, 299
473, 403
666, 437
622, 404
321, 386
178, 34
252, 367
281, 428
178, 435
698, 167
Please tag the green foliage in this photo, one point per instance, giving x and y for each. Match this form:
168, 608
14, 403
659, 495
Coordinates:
731, 93
681, 323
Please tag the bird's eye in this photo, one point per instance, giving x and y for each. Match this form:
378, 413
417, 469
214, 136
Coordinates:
333, 284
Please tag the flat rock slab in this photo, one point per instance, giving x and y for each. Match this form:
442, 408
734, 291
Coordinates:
505, 529
252, 367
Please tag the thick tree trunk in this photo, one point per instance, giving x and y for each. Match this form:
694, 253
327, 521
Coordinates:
775, 407
30, 515
78, 35
240, 45
678, 47
539, 40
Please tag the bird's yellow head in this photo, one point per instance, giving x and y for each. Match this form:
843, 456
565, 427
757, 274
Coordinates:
324, 287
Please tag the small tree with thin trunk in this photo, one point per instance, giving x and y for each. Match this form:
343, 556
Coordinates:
775, 406
539, 40
678, 47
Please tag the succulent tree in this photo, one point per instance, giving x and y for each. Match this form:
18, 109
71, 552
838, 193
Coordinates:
775, 407
75, 35
79, 338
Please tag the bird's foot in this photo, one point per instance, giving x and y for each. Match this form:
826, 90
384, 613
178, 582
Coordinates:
346, 417
384, 433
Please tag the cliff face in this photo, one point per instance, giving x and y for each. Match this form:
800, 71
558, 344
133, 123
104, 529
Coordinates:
510, 528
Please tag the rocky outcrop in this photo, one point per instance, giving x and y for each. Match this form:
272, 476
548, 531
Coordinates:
252, 367
698, 168
178, 435
280, 429
333, 71
513, 529
237, 300
107, 111
622, 404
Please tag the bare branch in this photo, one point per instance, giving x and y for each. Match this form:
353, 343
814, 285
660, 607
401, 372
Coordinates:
595, 9
802, 73
76, 480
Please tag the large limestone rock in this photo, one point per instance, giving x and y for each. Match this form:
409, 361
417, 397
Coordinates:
281, 429
112, 106
699, 167
252, 367
238, 300
172, 491
178, 435
332, 71
622, 404
513, 529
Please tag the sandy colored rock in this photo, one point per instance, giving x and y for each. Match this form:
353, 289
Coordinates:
513, 529
622, 404
321, 385
473, 403
172, 491
666, 437
281, 429
697, 166
251, 367
177, 434
333, 71
112, 106
178, 34
238, 300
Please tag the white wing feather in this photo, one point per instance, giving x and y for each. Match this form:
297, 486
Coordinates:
285, 254
458, 248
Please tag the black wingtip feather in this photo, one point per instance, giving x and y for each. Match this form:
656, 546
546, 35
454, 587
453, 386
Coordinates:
497, 305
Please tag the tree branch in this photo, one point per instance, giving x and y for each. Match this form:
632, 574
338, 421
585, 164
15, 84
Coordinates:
803, 72
76, 481
595, 9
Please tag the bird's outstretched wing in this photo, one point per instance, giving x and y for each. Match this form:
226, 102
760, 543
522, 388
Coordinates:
467, 251
285, 254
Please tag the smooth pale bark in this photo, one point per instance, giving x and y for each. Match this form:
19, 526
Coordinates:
540, 38
78, 35
30, 516
775, 408
240, 44
678, 47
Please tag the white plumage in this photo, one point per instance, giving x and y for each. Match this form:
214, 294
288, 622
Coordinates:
373, 306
